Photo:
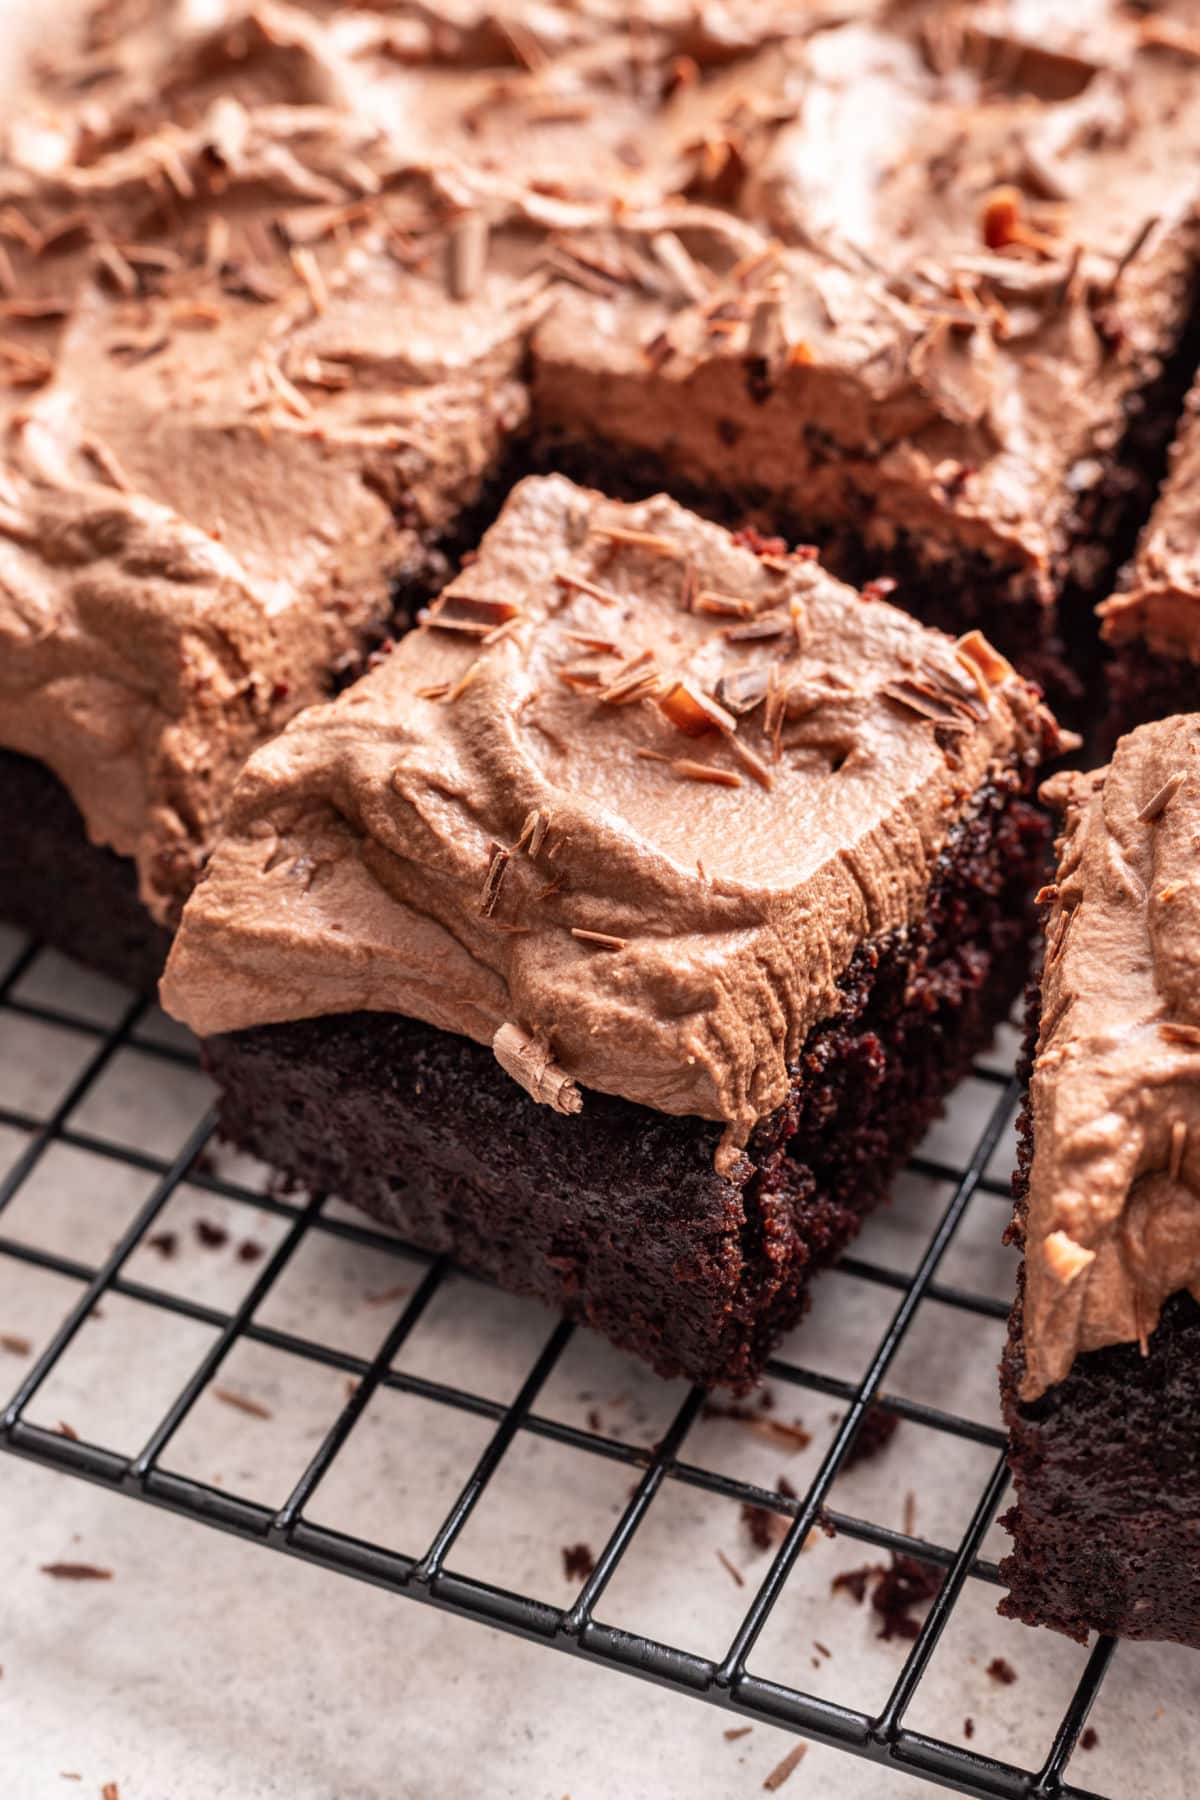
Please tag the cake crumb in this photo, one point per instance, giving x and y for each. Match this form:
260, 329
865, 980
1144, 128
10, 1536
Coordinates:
165, 1242
578, 1562
875, 1432
213, 1237
1002, 1671
780, 1773
894, 1591
1089, 1738
968, 1727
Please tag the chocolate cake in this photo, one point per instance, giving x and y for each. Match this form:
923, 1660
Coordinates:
1099, 1377
622, 930
282, 295
1152, 622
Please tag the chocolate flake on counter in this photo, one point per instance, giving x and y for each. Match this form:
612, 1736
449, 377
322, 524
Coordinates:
1089, 1739
1157, 804
240, 1402
494, 879
15, 1344
469, 242
778, 1431
530, 1063
737, 1731
731, 1569
68, 1431
1002, 1671
582, 585
213, 1237
694, 713
110, 1791
386, 1296
249, 1251
578, 1562
781, 1772
76, 1571
603, 940
968, 1728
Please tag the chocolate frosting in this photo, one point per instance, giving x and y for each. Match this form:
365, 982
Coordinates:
277, 281
1159, 599
236, 414
1113, 1224
632, 788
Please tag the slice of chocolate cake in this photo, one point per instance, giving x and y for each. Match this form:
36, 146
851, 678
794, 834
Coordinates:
622, 930
924, 301
1100, 1375
238, 414
1152, 622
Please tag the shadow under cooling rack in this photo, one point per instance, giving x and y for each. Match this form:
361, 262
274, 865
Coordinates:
132, 1265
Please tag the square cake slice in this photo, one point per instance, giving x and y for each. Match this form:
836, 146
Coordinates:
923, 298
621, 931
1100, 1377
250, 376
1152, 623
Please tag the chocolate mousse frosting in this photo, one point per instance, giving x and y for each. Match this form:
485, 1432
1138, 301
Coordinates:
278, 282
1159, 600
624, 806
1113, 1223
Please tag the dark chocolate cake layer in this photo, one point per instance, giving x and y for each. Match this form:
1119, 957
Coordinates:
627, 1225
66, 891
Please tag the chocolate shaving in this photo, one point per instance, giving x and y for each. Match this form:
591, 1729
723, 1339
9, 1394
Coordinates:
708, 600
1179, 1138
603, 940
533, 831
698, 771
1134, 250
781, 1772
694, 713
745, 689
765, 626
240, 1402
653, 542
1158, 803
1188, 1035
530, 1063
682, 267
468, 251
309, 270
928, 702
76, 1571
471, 615
15, 1344
752, 762
494, 879
582, 585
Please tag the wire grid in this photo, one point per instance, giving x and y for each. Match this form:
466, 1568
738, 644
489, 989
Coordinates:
882, 1737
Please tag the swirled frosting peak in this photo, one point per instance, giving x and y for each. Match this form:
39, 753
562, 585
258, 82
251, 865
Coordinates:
634, 787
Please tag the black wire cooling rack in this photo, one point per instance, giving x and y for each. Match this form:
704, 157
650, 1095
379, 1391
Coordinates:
883, 1738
